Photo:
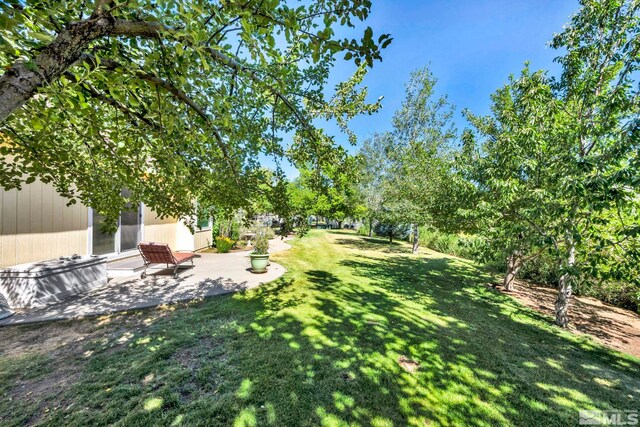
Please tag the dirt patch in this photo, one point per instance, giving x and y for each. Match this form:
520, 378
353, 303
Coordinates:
408, 365
46, 389
612, 326
60, 354
60, 345
191, 357
47, 338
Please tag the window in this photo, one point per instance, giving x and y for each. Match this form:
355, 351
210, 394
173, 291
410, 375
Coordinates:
204, 221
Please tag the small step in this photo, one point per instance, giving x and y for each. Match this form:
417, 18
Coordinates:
125, 267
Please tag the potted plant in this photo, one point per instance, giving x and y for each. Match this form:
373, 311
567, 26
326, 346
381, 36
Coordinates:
260, 254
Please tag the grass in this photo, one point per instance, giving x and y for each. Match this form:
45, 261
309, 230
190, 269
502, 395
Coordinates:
358, 332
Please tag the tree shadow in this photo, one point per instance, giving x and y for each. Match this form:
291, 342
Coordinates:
402, 341
373, 244
612, 325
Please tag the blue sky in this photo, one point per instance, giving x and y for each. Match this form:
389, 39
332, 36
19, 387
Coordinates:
471, 46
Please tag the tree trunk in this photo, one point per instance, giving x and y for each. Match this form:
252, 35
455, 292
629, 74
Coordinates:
370, 227
23, 79
514, 262
416, 239
339, 225
390, 237
565, 290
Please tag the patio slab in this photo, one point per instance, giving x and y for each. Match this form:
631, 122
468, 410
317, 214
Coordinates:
212, 274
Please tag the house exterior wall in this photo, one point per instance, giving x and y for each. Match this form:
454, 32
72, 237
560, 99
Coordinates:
202, 239
36, 224
186, 241
159, 230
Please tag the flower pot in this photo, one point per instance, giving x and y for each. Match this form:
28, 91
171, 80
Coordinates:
259, 263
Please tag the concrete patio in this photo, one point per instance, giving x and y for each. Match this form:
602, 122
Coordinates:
212, 274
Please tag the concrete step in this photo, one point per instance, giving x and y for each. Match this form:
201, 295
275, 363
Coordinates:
125, 267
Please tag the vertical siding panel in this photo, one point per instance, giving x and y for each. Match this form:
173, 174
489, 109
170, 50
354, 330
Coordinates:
2, 242
69, 235
58, 228
159, 230
1, 229
36, 224
48, 235
34, 238
9, 223
82, 225
9, 218
23, 241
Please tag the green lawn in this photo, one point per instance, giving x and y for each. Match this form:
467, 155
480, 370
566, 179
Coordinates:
358, 332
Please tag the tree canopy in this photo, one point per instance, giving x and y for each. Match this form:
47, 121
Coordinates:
175, 100
412, 162
557, 169
552, 173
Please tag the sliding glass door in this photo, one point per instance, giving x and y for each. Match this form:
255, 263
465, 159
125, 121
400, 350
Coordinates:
129, 230
102, 243
130, 225
125, 238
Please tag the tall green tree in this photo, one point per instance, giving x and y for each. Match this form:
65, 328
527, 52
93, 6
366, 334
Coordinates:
423, 135
174, 100
514, 206
561, 156
600, 101
371, 166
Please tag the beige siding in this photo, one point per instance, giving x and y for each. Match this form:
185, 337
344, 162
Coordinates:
36, 225
159, 230
202, 239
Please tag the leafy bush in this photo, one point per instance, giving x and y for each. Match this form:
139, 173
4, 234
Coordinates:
446, 243
235, 230
543, 269
622, 294
469, 247
363, 230
261, 241
256, 227
224, 244
267, 231
227, 226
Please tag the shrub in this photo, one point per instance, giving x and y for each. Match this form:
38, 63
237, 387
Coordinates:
446, 243
224, 244
621, 294
469, 247
227, 226
267, 231
235, 230
261, 242
543, 269
472, 247
363, 230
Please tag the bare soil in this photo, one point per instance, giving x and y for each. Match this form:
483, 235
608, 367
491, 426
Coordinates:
612, 326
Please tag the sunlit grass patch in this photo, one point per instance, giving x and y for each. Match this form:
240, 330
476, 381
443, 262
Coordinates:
356, 333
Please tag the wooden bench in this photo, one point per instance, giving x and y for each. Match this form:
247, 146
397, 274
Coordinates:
160, 253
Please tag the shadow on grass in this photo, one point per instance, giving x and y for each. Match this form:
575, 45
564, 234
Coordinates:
482, 359
371, 244
363, 340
